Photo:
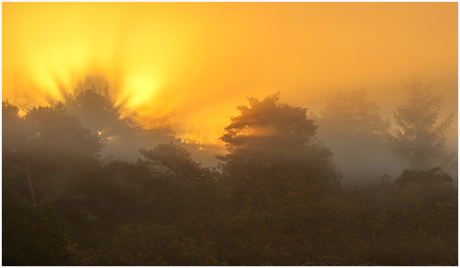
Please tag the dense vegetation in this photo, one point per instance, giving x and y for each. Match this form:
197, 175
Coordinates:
274, 199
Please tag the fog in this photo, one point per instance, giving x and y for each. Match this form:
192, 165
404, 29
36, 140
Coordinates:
188, 66
230, 133
184, 68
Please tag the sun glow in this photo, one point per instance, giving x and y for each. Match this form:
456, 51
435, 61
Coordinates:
204, 59
84, 45
139, 89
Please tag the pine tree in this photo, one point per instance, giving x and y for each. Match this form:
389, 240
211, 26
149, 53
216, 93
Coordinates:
419, 139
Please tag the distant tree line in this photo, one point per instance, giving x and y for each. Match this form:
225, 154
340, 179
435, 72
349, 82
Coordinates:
275, 198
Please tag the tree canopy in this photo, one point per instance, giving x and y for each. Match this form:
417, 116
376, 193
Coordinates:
97, 110
351, 117
276, 200
54, 129
14, 132
269, 139
352, 126
173, 161
419, 139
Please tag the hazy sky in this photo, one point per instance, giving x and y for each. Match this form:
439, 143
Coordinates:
201, 60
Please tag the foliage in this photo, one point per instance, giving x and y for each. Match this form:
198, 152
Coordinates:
423, 221
14, 130
268, 139
151, 244
174, 161
276, 201
419, 140
352, 126
57, 132
45, 131
94, 108
350, 117
181, 178
432, 185
31, 236
119, 131
267, 122
9, 110
43, 146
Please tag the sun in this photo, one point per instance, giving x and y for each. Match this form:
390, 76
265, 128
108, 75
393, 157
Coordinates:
139, 90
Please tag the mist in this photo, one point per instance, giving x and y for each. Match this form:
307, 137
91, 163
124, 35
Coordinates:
230, 134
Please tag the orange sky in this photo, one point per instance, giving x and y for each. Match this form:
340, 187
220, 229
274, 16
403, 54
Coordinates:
201, 60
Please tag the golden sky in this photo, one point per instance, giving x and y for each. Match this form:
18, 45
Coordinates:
201, 60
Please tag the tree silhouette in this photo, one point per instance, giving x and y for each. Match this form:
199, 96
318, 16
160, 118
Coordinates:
31, 235
174, 162
16, 149
120, 131
419, 139
351, 125
172, 168
96, 110
351, 117
46, 139
55, 132
14, 132
269, 140
433, 184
